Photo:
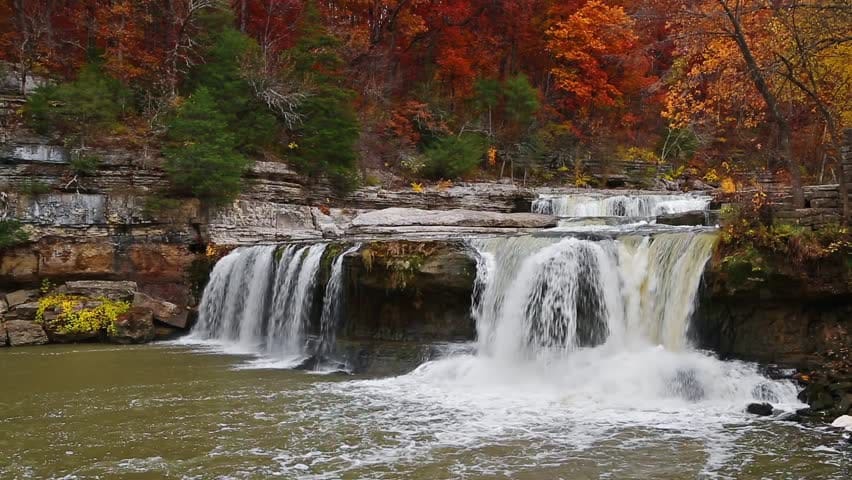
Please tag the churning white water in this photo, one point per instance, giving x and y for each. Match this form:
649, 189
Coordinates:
580, 205
578, 342
614, 313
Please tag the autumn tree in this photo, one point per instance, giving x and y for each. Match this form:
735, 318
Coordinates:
588, 46
729, 43
814, 58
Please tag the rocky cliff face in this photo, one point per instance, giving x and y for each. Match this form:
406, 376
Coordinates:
800, 320
413, 291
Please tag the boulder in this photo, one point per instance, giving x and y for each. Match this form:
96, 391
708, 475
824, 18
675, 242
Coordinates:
163, 311
762, 409
4, 340
408, 217
843, 421
122, 290
23, 332
135, 326
25, 311
59, 337
3, 306
20, 296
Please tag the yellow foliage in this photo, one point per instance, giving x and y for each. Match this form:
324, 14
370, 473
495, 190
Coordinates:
492, 156
444, 185
728, 185
417, 187
711, 176
74, 317
641, 155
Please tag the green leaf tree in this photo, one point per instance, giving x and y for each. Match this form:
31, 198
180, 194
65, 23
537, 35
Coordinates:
326, 139
250, 120
202, 159
91, 103
453, 156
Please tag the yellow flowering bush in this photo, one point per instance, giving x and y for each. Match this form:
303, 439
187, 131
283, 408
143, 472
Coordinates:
75, 317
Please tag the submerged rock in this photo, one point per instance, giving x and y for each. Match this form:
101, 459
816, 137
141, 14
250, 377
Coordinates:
761, 409
693, 218
135, 326
23, 332
686, 385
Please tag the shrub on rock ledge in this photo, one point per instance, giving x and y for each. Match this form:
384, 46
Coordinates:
12, 234
69, 314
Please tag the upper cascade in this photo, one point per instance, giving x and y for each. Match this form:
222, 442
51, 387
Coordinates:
600, 205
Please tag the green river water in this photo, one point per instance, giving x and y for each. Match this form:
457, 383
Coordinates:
171, 411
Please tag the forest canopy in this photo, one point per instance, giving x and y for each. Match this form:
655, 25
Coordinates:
449, 88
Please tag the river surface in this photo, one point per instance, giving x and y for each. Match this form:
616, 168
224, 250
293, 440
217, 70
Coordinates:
172, 411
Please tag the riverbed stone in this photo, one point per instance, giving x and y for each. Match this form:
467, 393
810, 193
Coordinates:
694, 218
118, 290
843, 421
23, 332
19, 297
135, 326
761, 409
163, 311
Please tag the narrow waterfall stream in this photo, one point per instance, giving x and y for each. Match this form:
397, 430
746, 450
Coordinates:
260, 300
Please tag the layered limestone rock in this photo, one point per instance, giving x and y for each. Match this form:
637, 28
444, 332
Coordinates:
391, 218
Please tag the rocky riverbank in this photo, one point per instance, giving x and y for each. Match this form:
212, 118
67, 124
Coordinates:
795, 319
88, 311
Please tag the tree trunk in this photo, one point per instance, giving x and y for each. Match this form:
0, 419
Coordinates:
785, 148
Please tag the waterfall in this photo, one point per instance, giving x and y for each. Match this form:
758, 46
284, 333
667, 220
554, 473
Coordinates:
332, 303
261, 300
293, 298
235, 299
542, 296
618, 205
